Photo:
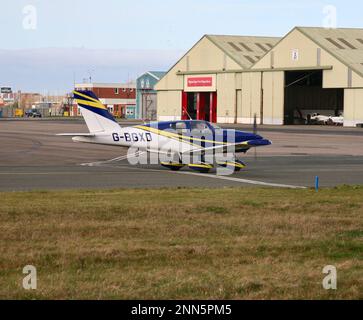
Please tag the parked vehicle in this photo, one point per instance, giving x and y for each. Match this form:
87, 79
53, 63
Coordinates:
33, 113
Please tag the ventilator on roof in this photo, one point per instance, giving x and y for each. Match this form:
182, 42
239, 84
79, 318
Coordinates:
234, 46
335, 43
261, 47
246, 47
347, 43
250, 59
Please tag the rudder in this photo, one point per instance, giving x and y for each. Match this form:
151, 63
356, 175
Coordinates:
95, 114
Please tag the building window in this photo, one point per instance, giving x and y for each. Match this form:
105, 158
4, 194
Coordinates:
116, 90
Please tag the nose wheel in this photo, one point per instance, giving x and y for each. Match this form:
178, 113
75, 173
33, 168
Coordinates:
235, 165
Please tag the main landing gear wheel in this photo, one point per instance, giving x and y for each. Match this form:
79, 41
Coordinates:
174, 166
202, 167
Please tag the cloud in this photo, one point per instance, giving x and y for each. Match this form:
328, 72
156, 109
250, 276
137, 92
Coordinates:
55, 69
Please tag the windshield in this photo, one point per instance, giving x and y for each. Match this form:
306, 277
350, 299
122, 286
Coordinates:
215, 126
199, 125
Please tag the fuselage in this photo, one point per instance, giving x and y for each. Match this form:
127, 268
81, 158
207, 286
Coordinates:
198, 144
177, 137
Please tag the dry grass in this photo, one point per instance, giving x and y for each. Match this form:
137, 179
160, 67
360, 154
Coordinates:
231, 243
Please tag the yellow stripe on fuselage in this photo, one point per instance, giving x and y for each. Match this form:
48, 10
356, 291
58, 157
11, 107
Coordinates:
167, 134
178, 136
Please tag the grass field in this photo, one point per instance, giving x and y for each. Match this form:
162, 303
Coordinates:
232, 243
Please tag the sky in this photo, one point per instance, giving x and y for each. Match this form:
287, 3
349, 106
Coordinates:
46, 45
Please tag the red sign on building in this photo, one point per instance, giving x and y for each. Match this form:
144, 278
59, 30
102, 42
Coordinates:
200, 82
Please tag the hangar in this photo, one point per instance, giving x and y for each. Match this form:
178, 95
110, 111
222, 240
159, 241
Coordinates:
229, 79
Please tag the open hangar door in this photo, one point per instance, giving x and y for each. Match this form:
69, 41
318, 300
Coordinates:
305, 96
199, 106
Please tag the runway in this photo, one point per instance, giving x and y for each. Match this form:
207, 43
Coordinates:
33, 158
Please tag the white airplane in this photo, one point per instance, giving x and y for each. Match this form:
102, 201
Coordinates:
197, 144
331, 120
338, 121
319, 118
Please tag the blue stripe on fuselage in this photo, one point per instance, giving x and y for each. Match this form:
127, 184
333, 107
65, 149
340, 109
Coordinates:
215, 137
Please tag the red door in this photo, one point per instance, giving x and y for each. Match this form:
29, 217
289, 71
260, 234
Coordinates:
206, 106
213, 107
184, 115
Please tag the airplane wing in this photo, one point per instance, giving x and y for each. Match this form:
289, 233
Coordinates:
75, 134
240, 145
156, 151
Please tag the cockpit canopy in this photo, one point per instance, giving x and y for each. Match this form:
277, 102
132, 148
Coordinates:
186, 125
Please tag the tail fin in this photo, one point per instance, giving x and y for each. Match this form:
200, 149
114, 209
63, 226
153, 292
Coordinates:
96, 115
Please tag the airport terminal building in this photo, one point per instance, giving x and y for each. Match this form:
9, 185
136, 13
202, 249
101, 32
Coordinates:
230, 79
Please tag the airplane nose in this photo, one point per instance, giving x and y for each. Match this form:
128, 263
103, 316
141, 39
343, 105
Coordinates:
241, 136
253, 140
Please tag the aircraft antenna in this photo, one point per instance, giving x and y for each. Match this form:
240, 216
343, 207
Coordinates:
255, 132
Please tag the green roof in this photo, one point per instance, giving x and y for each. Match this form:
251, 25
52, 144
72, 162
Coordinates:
345, 44
157, 74
245, 50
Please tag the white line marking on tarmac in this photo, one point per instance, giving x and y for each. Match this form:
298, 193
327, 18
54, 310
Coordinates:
57, 173
142, 170
246, 181
261, 183
204, 175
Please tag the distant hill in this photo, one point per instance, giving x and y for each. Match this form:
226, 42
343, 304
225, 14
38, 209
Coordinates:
55, 69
